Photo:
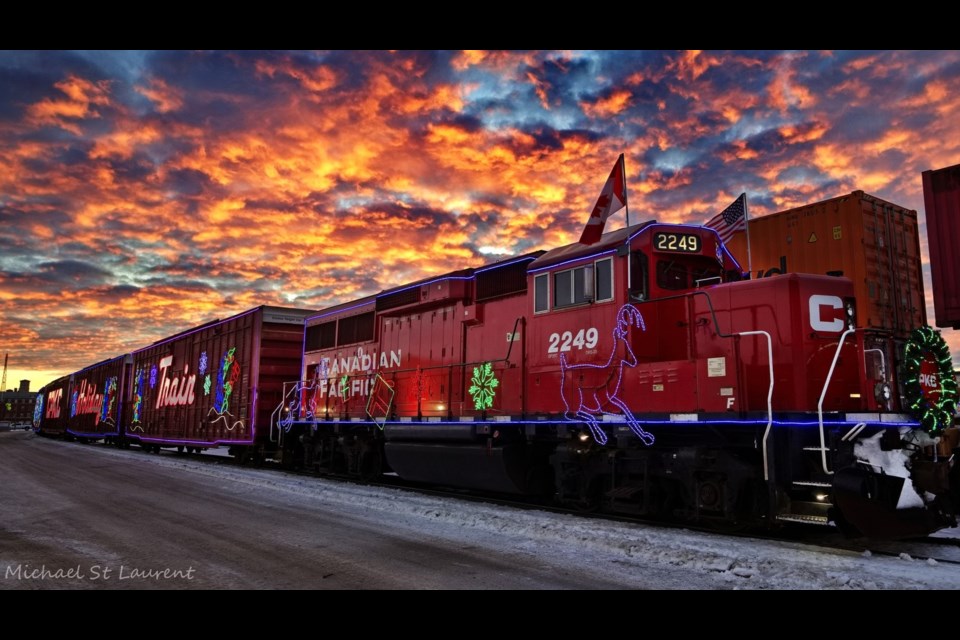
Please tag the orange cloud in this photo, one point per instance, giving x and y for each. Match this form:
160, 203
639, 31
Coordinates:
610, 105
82, 96
165, 97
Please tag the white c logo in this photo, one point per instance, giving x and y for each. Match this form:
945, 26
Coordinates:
816, 320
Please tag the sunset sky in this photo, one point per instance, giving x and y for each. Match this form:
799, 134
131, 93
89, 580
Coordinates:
142, 193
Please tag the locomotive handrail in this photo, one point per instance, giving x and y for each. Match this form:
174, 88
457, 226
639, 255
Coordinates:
766, 432
823, 394
716, 326
883, 362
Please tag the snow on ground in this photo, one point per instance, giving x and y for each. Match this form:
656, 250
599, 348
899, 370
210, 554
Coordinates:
646, 555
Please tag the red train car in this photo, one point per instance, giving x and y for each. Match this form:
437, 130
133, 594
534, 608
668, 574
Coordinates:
54, 408
95, 399
216, 384
637, 375
941, 197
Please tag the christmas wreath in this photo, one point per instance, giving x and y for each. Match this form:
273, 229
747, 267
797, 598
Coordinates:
931, 389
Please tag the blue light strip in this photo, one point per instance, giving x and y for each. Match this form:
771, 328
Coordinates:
93, 434
103, 363
386, 293
572, 260
503, 264
202, 443
330, 313
422, 284
625, 424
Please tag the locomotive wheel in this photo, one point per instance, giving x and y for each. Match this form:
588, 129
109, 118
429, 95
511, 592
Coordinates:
589, 499
371, 464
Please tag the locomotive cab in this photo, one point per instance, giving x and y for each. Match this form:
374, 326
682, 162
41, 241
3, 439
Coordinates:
666, 260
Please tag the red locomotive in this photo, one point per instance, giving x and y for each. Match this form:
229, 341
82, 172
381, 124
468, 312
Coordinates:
638, 375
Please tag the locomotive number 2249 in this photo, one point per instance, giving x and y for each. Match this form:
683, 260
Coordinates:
567, 341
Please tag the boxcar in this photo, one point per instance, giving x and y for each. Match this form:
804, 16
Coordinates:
215, 384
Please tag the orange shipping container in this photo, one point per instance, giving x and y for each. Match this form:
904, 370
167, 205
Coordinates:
871, 241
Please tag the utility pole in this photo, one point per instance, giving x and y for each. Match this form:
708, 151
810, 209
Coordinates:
3, 384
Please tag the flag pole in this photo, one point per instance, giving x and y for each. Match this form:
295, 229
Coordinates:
623, 176
626, 206
746, 226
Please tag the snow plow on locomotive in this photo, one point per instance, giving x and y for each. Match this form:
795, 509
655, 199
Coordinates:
636, 375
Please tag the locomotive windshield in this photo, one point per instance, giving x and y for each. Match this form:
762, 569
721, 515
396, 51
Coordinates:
687, 273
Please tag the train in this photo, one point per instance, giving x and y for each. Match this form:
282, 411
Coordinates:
645, 374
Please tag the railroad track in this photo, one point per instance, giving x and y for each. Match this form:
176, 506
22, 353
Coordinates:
935, 549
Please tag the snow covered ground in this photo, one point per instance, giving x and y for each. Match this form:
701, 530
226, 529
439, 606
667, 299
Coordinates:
634, 556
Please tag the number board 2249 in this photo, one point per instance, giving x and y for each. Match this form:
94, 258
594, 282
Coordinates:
681, 242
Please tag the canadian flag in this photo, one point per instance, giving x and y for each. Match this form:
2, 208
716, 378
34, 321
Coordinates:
612, 199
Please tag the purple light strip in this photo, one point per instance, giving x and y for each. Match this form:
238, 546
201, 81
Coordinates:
303, 352
503, 264
330, 313
102, 363
386, 293
207, 443
422, 284
572, 260
782, 423
191, 332
93, 434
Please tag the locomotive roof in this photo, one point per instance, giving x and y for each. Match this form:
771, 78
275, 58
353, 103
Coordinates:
576, 250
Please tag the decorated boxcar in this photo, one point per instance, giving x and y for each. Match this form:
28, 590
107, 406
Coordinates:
95, 393
215, 384
52, 413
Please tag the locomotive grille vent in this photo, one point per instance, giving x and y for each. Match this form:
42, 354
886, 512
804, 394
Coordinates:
511, 278
355, 329
398, 299
321, 336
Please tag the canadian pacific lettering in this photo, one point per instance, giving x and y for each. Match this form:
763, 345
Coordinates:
344, 376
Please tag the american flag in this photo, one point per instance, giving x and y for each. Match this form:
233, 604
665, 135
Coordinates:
731, 219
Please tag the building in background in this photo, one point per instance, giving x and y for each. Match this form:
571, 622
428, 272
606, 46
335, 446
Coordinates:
17, 405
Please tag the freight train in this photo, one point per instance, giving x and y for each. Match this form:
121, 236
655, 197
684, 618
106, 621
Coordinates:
640, 375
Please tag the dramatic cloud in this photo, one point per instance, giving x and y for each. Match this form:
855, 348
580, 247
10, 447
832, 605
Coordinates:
143, 193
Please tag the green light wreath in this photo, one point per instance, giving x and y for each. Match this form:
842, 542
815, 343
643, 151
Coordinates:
934, 416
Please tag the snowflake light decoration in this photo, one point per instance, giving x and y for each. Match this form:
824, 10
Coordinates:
202, 367
483, 386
